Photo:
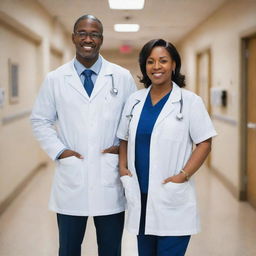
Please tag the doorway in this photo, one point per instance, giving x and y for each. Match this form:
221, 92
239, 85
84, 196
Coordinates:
250, 127
203, 82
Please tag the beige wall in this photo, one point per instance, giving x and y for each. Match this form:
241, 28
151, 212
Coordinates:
55, 58
30, 38
222, 33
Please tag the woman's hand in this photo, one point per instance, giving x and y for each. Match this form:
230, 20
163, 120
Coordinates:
68, 153
125, 171
179, 178
111, 150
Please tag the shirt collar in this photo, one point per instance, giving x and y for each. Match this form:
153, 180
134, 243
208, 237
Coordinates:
95, 67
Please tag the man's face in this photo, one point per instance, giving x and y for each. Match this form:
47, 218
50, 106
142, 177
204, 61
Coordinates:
88, 39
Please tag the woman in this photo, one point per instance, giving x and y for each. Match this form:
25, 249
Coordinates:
158, 128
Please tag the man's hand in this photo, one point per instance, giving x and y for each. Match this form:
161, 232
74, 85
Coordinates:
179, 178
112, 150
68, 153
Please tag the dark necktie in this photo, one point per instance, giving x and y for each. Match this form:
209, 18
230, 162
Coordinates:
88, 84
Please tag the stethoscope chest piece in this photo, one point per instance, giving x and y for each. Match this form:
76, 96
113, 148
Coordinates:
179, 116
114, 91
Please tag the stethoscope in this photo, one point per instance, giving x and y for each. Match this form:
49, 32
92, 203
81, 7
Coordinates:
130, 116
179, 115
113, 90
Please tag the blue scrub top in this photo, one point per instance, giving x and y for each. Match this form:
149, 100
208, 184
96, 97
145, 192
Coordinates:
146, 124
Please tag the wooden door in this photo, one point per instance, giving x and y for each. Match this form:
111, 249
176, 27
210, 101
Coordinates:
203, 82
203, 77
251, 122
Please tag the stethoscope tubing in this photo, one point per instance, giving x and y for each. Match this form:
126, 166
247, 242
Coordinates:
179, 116
113, 90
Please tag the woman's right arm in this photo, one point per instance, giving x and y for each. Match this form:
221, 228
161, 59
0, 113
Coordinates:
123, 169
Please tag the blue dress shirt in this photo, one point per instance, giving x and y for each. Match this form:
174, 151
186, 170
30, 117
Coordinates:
95, 68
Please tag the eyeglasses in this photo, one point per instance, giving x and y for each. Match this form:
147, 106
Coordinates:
84, 34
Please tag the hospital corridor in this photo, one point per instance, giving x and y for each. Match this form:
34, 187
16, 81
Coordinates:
216, 41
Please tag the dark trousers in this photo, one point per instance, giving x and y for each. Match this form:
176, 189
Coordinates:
109, 230
149, 245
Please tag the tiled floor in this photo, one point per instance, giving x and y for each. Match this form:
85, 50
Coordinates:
27, 228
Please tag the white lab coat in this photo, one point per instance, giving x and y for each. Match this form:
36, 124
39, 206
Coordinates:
65, 117
172, 207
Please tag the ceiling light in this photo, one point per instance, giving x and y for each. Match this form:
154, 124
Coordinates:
126, 27
126, 4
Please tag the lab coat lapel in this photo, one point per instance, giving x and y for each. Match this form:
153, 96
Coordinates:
71, 78
104, 77
141, 98
169, 106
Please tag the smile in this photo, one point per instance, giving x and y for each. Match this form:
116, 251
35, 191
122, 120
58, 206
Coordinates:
157, 74
87, 47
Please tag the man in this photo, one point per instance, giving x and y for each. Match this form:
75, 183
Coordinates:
75, 118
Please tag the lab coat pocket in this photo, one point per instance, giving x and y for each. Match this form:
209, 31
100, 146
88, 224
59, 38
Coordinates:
113, 106
129, 190
109, 170
173, 130
70, 171
175, 194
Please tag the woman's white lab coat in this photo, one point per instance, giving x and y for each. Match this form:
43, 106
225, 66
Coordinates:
172, 207
65, 117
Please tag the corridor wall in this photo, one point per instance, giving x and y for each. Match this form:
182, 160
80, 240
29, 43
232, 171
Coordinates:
34, 42
222, 34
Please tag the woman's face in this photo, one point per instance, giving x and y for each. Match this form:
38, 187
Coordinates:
159, 66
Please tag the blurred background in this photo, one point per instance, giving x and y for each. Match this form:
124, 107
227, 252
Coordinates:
217, 43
